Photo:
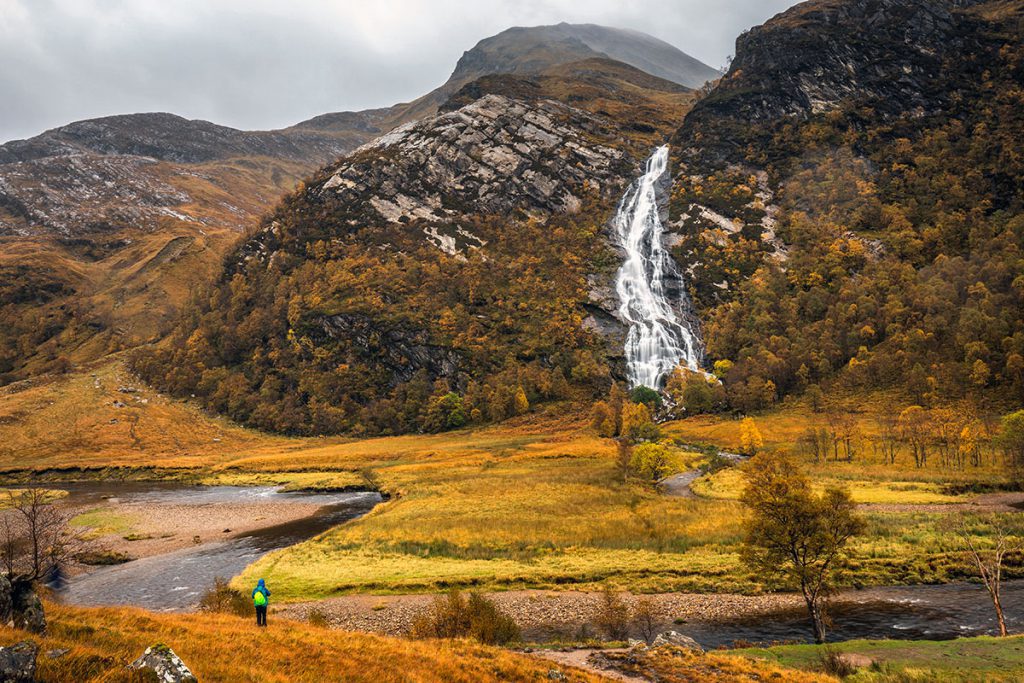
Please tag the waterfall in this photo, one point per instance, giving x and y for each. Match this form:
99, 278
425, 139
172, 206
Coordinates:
661, 337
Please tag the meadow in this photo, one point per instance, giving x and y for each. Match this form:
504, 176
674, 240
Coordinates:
532, 502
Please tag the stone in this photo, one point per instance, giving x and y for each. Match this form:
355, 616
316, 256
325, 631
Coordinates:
28, 612
18, 662
855, 661
677, 639
167, 666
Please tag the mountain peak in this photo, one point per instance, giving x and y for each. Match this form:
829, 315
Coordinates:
527, 49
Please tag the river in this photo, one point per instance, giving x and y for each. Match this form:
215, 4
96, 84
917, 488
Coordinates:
176, 580
940, 612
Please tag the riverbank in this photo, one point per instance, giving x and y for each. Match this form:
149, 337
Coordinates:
542, 615
714, 620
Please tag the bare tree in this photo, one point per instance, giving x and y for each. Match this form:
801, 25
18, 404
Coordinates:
988, 560
645, 618
35, 538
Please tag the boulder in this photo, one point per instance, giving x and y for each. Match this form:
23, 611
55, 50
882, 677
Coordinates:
854, 660
28, 612
18, 662
167, 666
678, 640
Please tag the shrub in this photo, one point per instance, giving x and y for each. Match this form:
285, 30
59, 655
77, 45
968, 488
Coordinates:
651, 461
317, 617
223, 598
833, 663
649, 397
455, 616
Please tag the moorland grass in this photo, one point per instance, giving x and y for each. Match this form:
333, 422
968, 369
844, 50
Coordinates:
533, 502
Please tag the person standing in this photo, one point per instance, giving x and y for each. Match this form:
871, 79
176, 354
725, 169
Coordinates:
260, 598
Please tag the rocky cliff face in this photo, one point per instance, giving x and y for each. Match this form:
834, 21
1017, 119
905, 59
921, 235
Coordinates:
493, 157
814, 178
821, 56
889, 58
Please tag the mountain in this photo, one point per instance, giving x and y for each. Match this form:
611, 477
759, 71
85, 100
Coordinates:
108, 225
532, 50
453, 270
845, 205
848, 201
528, 50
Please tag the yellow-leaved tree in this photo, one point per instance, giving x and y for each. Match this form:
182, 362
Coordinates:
750, 437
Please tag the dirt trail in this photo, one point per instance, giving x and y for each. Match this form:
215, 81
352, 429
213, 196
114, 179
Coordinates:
581, 659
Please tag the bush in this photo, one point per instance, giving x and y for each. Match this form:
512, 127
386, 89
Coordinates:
455, 616
317, 617
649, 397
651, 462
612, 615
223, 598
833, 663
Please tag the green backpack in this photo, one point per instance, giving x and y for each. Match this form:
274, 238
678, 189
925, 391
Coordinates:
259, 599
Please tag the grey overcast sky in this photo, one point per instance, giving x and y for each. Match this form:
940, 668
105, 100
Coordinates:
261, 64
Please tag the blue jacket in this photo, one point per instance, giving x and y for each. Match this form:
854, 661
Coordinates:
261, 587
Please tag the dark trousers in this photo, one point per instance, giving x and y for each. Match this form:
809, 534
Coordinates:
261, 615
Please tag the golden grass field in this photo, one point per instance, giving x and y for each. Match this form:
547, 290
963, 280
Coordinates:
534, 502
221, 647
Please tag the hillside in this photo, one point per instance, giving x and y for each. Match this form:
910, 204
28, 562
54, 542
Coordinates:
411, 286
107, 225
848, 203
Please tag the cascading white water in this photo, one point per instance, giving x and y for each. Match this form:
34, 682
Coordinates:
659, 338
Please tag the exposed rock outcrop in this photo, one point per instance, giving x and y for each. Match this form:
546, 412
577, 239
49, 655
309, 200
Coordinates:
167, 666
18, 662
676, 639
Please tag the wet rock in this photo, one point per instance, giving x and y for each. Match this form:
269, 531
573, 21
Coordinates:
18, 662
167, 666
678, 640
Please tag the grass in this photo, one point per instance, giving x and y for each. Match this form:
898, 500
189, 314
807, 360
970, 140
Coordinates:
102, 522
533, 502
219, 647
950, 661
728, 483
291, 481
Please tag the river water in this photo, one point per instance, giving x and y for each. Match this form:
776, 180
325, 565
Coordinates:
176, 581
938, 612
